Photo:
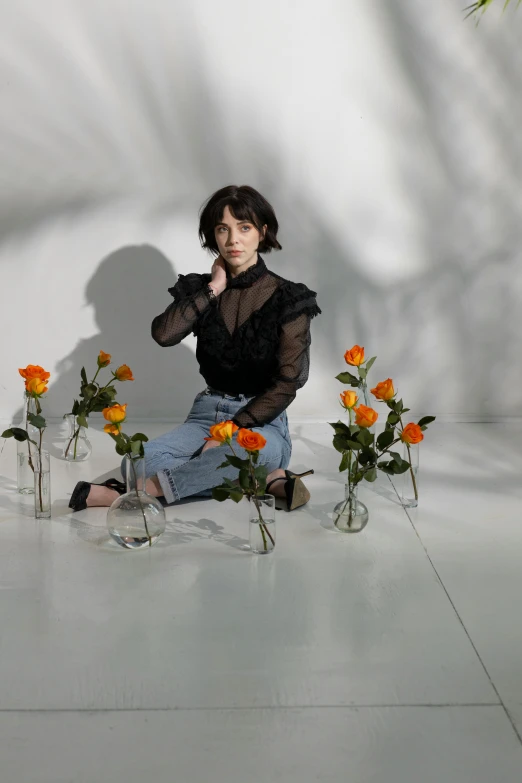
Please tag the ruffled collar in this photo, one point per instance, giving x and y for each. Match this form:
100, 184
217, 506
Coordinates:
249, 276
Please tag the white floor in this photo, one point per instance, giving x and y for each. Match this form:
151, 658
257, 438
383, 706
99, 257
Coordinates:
393, 656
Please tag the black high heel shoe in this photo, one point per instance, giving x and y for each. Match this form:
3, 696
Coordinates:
295, 490
81, 491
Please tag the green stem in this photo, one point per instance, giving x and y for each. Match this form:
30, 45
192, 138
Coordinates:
262, 524
40, 472
411, 466
139, 500
30, 458
75, 435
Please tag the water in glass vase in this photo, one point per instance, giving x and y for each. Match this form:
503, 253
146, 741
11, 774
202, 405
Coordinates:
262, 532
350, 515
77, 447
136, 519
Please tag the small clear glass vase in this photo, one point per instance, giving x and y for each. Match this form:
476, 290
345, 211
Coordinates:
136, 520
25, 450
42, 484
350, 515
77, 447
261, 522
408, 485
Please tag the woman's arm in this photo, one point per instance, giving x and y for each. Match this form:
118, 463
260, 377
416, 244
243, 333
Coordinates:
293, 356
191, 298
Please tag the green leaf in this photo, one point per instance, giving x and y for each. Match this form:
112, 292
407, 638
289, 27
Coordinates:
90, 391
399, 407
75, 407
36, 420
402, 468
340, 428
365, 457
386, 467
224, 465
244, 478
385, 439
393, 418
344, 462
237, 462
365, 437
82, 421
139, 436
84, 377
220, 494
426, 420
369, 363
396, 457
122, 450
371, 474
17, 433
136, 447
362, 373
261, 472
236, 496
348, 379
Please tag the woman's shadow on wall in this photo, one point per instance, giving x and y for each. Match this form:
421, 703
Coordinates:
128, 289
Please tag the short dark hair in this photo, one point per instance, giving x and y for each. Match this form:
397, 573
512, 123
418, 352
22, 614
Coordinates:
245, 203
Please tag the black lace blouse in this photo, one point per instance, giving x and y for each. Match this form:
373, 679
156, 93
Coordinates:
254, 339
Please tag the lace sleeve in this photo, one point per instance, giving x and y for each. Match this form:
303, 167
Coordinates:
180, 318
294, 362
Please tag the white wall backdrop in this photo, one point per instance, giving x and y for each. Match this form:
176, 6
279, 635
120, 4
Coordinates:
387, 135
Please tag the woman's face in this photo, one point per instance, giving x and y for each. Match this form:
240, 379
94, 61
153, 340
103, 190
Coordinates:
237, 241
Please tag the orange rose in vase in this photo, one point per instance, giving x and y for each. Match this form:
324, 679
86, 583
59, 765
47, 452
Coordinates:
384, 390
365, 417
250, 441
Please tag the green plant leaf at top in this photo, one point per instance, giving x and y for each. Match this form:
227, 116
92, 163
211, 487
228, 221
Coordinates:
36, 420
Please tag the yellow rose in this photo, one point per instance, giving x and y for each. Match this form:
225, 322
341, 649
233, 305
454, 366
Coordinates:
223, 431
251, 441
384, 390
348, 398
36, 386
34, 371
112, 429
365, 417
115, 413
412, 434
104, 359
355, 356
124, 373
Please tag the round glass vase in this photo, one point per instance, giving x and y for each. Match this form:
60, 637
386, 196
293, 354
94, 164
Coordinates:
408, 483
77, 447
350, 515
261, 524
42, 484
135, 520
25, 450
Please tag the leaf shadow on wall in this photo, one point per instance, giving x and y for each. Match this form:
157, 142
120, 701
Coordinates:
127, 290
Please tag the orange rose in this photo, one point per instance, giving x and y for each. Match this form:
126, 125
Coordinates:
251, 441
384, 390
36, 386
412, 433
223, 431
104, 359
115, 413
365, 417
348, 398
124, 373
34, 371
112, 429
355, 356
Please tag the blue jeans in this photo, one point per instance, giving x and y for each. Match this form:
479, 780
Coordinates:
175, 458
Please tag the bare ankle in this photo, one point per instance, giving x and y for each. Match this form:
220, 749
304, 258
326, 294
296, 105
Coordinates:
101, 496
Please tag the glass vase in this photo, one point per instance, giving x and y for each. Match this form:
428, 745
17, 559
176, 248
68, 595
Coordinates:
407, 483
42, 484
77, 447
136, 520
350, 515
24, 450
261, 522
